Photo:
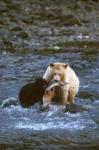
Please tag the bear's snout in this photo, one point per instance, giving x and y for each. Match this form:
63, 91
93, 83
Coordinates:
56, 78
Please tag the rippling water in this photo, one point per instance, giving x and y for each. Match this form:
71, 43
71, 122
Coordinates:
50, 129
29, 41
31, 129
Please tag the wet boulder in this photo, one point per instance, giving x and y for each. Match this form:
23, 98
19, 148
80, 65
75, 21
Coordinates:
74, 108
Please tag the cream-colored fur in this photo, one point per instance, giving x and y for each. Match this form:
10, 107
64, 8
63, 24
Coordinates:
63, 73
49, 94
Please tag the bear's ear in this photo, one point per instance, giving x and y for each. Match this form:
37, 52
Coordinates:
65, 66
51, 65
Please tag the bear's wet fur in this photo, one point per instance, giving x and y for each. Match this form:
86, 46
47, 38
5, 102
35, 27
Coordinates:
32, 93
66, 76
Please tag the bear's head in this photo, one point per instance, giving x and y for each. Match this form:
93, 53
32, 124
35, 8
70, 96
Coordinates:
58, 71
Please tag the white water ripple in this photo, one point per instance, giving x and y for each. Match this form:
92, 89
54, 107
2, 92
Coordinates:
73, 125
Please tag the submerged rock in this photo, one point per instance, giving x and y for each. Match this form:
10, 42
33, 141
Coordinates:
74, 108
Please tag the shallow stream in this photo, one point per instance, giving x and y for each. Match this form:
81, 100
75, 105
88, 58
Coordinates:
29, 42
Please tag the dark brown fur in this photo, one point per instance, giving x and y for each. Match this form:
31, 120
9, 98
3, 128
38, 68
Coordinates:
32, 93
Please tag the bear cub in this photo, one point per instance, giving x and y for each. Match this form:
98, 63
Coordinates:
32, 93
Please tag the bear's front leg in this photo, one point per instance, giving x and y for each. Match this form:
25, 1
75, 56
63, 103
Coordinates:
65, 97
71, 95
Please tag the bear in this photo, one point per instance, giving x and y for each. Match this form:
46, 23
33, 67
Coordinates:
49, 94
32, 93
53, 95
64, 75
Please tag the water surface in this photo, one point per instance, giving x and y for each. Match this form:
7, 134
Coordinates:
30, 41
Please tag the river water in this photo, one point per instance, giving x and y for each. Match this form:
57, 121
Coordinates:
31, 37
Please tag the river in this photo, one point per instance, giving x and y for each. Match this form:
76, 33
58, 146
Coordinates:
31, 37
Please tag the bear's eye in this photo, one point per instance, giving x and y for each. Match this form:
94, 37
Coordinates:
55, 73
59, 74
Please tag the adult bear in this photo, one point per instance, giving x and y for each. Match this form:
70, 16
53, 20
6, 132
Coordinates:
66, 77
